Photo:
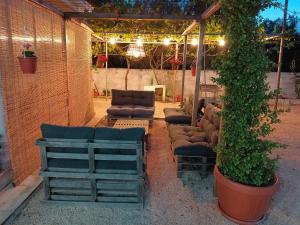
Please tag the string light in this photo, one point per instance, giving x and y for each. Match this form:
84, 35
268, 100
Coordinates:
194, 42
112, 41
139, 42
221, 42
167, 41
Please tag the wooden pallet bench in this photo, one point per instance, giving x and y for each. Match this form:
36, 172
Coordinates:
98, 171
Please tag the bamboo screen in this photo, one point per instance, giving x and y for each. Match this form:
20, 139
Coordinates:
43, 97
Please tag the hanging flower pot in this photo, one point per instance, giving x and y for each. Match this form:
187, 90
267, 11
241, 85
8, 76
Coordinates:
193, 69
28, 60
175, 63
28, 64
101, 60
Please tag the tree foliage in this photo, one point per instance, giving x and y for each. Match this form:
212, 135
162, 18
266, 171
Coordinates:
243, 151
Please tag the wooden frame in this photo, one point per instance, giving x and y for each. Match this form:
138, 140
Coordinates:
186, 163
111, 187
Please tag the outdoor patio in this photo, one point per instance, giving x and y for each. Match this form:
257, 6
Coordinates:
190, 201
148, 113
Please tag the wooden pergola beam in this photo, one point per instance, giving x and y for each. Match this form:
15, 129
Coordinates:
210, 10
115, 16
190, 28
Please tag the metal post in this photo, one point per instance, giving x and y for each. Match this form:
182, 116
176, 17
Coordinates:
175, 72
281, 51
183, 69
106, 66
204, 72
198, 71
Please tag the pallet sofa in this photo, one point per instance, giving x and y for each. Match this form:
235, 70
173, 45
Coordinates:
131, 104
99, 165
193, 147
183, 115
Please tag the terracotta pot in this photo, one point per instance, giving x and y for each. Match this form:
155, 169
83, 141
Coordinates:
193, 68
28, 64
240, 203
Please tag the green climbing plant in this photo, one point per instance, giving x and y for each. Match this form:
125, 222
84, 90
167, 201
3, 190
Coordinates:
243, 150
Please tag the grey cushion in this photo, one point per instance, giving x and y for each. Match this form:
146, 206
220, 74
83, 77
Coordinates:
120, 110
143, 98
54, 131
176, 116
63, 132
142, 111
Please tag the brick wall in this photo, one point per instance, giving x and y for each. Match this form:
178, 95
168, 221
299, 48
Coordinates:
48, 96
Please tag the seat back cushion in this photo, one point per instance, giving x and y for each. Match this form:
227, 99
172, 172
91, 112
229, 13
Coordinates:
123, 97
128, 134
63, 132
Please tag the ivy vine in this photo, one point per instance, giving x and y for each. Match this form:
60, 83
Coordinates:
244, 151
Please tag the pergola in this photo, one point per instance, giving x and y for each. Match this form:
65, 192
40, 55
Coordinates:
84, 10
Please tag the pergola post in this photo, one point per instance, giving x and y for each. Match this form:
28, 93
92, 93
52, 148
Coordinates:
281, 51
198, 70
183, 69
106, 66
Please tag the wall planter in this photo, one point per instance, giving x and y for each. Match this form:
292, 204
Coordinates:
193, 69
28, 64
101, 60
243, 204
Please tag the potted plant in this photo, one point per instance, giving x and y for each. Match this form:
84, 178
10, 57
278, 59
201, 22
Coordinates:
175, 63
101, 60
245, 171
193, 68
28, 60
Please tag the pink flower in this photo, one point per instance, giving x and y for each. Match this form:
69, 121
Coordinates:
27, 45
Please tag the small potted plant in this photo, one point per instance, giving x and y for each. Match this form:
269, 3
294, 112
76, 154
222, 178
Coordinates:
175, 63
101, 60
193, 68
28, 60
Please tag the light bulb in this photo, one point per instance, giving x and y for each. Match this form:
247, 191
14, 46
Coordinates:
221, 42
167, 41
112, 41
139, 42
194, 42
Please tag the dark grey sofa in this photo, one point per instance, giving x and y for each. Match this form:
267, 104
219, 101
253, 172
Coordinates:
183, 115
101, 165
131, 104
193, 147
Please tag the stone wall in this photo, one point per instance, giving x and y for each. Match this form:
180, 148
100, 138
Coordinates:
49, 95
137, 79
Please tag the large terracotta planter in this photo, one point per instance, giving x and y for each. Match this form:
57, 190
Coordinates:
240, 203
28, 64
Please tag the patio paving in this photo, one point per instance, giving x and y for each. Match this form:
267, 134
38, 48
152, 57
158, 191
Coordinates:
169, 200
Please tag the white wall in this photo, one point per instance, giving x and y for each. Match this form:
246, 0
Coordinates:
138, 78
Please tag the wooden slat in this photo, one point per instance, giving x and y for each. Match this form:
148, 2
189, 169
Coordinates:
118, 193
116, 16
73, 170
118, 199
69, 183
71, 191
90, 176
43, 158
118, 186
110, 171
115, 157
70, 198
67, 155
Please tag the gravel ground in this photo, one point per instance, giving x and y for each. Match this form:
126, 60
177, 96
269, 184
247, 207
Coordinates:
186, 201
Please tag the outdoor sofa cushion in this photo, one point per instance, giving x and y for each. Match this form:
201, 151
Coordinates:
139, 104
133, 97
197, 141
64, 132
183, 115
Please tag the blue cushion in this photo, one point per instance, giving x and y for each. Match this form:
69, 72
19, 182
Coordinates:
54, 131
127, 134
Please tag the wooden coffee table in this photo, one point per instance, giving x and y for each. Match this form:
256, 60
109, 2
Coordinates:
121, 123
